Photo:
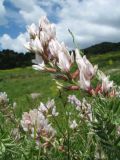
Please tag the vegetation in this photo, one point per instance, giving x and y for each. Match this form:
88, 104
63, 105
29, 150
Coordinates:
10, 59
102, 48
19, 83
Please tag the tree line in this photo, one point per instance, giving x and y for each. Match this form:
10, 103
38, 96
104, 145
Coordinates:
11, 59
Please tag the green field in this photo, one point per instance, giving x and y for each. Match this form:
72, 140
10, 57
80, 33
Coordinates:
21, 82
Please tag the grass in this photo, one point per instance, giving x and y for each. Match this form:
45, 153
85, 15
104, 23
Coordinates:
21, 82
107, 61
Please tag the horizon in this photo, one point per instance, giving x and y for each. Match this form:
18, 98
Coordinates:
94, 45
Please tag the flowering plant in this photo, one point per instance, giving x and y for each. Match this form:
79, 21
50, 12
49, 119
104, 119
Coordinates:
54, 57
65, 127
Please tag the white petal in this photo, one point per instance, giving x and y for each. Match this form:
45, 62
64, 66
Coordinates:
39, 66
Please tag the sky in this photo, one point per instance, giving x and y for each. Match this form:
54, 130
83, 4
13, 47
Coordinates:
91, 21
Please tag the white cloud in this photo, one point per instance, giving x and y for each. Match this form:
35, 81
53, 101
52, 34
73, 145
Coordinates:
2, 13
92, 21
33, 15
16, 44
29, 11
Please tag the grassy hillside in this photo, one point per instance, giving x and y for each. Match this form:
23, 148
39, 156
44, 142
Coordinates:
107, 60
102, 48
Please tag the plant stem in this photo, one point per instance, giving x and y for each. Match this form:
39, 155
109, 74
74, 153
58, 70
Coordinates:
68, 145
68, 138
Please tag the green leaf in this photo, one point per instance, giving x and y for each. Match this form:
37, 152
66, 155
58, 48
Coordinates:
111, 128
2, 148
117, 141
116, 107
102, 135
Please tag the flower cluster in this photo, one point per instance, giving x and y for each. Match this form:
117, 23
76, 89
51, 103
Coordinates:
3, 98
53, 56
34, 95
118, 91
87, 71
47, 49
49, 108
37, 124
74, 101
73, 124
107, 85
83, 107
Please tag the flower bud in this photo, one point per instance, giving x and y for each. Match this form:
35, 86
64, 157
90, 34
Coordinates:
86, 69
73, 124
37, 46
43, 22
40, 67
106, 84
54, 46
32, 30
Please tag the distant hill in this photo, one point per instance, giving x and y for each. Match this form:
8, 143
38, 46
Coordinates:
102, 48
